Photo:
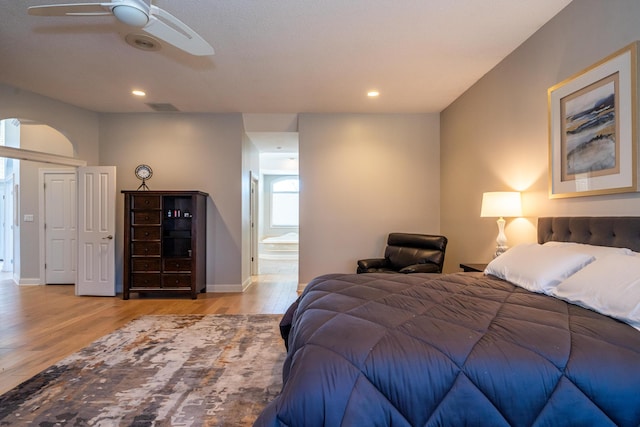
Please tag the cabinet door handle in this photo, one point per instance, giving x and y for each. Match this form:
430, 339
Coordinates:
146, 234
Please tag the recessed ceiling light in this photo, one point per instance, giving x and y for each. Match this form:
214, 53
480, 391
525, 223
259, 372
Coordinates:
373, 94
137, 92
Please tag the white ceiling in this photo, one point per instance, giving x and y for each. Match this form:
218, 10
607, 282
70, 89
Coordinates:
272, 56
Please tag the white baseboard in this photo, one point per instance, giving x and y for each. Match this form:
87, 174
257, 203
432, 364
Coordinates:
224, 288
27, 282
240, 287
246, 284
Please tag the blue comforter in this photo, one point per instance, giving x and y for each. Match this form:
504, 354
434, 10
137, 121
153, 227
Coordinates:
452, 350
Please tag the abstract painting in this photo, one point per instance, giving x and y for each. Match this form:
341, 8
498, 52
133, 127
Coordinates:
592, 141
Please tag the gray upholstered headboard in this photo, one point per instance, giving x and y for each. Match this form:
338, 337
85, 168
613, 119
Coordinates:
616, 231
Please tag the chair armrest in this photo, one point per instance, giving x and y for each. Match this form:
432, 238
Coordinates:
373, 263
366, 264
421, 268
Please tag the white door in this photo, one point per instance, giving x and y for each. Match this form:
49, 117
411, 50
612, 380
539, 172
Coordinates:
96, 230
60, 227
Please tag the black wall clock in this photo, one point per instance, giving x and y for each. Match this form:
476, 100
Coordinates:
144, 172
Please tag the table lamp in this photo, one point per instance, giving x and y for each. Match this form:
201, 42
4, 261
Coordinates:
500, 204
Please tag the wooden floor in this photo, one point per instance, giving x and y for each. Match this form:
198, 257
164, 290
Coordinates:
40, 325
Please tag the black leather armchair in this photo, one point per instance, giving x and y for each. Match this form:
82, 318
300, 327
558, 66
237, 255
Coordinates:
408, 253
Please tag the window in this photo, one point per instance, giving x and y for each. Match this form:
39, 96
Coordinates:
284, 202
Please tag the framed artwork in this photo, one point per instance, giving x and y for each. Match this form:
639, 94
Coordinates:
592, 129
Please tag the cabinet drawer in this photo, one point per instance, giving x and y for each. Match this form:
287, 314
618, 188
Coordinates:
145, 201
145, 265
145, 280
176, 264
176, 280
146, 233
145, 248
146, 218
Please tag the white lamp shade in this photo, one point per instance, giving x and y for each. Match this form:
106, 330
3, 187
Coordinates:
500, 204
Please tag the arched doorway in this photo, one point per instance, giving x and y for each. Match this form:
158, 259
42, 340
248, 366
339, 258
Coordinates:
26, 146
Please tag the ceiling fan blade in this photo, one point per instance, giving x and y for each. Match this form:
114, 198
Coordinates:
75, 9
170, 29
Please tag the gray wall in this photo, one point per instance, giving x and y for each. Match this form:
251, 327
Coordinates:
361, 177
371, 174
45, 139
186, 152
78, 125
495, 136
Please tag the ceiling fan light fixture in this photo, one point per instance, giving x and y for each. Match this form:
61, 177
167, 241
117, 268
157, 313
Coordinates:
142, 42
131, 15
141, 14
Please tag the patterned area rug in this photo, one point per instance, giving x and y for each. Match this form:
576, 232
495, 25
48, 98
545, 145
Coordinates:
195, 370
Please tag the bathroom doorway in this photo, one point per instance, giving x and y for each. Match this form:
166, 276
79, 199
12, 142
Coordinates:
277, 227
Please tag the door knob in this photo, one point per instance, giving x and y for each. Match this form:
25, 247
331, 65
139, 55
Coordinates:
109, 237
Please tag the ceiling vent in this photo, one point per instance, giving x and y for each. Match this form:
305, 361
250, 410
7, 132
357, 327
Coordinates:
162, 107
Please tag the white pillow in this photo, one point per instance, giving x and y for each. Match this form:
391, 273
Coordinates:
609, 285
536, 267
596, 251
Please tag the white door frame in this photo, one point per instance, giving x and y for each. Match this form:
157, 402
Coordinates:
255, 217
42, 215
7, 242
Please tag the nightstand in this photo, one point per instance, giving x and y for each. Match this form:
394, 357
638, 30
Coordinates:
467, 267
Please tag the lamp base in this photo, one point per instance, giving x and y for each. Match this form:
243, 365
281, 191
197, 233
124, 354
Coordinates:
500, 249
501, 241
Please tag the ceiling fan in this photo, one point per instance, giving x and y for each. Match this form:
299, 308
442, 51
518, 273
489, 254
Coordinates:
151, 19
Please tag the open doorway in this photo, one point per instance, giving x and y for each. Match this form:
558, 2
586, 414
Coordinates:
275, 191
276, 224
279, 226
7, 217
9, 168
26, 147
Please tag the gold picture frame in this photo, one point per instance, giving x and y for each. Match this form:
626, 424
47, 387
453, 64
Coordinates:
592, 129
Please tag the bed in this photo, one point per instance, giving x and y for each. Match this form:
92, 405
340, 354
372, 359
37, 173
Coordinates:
526, 345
